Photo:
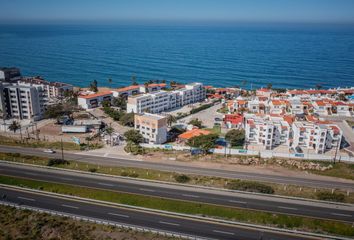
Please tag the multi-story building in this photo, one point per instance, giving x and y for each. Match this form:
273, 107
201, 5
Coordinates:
93, 100
269, 131
22, 102
157, 102
126, 91
11, 74
51, 89
320, 136
152, 127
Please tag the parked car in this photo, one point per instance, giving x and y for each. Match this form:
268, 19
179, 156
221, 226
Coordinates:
49, 151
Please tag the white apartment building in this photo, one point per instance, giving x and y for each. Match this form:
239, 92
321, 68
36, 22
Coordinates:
152, 127
316, 135
94, 100
266, 130
161, 101
22, 102
50, 89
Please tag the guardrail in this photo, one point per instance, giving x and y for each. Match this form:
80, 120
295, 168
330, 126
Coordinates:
178, 184
188, 216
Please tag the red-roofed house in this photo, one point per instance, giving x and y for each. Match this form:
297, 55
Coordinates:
94, 100
233, 120
264, 92
184, 137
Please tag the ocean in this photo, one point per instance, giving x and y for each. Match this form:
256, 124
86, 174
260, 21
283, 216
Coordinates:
233, 55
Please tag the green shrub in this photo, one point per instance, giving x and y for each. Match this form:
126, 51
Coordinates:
328, 196
182, 178
126, 174
201, 108
57, 161
93, 170
250, 186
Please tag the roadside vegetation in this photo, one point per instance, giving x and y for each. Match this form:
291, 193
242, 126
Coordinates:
34, 143
25, 224
194, 208
242, 185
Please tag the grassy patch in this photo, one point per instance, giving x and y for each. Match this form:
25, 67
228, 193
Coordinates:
249, 216
340, 170
24, 224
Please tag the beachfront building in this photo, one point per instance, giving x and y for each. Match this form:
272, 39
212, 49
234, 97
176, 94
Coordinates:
319, 136
152, 127
9, 74
126, 91
22, 102
50, 89
278, 106
184, 137
153, 87
268, 131
160, 101
93, 100
233, 120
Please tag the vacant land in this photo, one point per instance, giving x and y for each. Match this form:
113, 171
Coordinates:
24, 224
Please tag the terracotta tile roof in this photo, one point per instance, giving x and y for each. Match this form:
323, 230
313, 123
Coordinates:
129, 88
263, 90
157, 85
99, 94
289, 119
193, 133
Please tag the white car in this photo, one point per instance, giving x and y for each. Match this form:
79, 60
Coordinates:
49, 151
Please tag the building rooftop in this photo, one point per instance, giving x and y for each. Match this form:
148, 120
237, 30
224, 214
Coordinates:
88, 96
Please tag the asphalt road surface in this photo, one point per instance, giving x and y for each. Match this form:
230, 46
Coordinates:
165, 222
186, 169
341, 212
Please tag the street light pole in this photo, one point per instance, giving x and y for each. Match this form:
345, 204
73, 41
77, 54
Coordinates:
335, 155
62, 149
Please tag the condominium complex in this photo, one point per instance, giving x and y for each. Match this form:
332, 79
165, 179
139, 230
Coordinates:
269, 131
161, 101
320, 136
9, 74
93, 100
152, 127
22, 102
51, 89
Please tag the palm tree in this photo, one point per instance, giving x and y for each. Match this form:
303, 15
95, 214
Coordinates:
110, 132
14, 126
171, 119
110, 82
134, 82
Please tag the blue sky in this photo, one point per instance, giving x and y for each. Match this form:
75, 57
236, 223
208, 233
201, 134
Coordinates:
179, 10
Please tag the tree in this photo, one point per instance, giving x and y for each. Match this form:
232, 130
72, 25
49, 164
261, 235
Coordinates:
106, 103
127, 119
146, 85
110, 132
93, 86
171, 119
133, 136
342, 97
134, 82
58, 110
235, 137
14, 126
196, 122
269, 86
204, 142
110, 82
120, 102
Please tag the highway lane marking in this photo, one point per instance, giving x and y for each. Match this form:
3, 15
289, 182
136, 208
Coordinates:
168, 223
341, 214
106, 184
33, 174
189, 195
119, 215
69, 179
69, 206
223, 232
234, 201
146, 190
29, 199
288, 208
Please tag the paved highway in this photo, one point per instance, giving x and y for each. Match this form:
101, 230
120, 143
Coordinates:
165, 222
346, 185
186, 193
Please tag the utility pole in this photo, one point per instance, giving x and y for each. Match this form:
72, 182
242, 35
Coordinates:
62, 149
335, 155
